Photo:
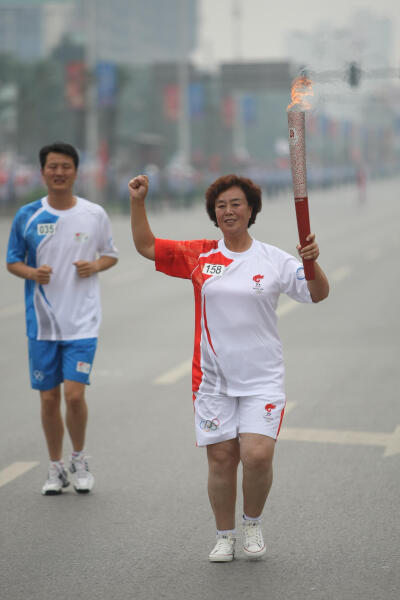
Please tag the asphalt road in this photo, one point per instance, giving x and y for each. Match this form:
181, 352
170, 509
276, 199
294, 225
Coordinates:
332, 519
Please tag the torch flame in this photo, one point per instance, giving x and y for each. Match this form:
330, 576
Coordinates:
301, 87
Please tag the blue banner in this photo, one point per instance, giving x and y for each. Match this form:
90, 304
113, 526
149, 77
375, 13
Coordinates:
249, 109
106, 75
196, 100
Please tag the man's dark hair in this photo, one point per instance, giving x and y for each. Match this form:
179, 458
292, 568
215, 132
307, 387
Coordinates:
59, 148
250, 190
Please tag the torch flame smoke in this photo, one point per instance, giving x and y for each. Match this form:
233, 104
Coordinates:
301, 87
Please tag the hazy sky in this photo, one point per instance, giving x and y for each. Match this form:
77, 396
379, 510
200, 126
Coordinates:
265, 24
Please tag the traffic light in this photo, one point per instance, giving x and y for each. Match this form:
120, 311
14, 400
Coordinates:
354, 74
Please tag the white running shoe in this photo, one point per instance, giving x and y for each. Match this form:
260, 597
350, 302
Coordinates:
82, 478
253, 545
57, 479
224, 549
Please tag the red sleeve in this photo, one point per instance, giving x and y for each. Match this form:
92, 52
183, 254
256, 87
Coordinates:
178, 259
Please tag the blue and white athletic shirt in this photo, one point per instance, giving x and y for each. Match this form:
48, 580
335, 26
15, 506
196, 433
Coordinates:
68, 307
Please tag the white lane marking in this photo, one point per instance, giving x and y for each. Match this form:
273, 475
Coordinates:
15, 470
341, 273
13, 309
390, 441
173, 375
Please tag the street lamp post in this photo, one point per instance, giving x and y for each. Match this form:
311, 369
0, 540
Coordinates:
92, 140
183, 80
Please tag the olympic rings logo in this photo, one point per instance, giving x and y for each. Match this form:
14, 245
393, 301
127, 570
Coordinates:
38, 375
209, 425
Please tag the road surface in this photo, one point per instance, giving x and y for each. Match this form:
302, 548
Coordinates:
331, 522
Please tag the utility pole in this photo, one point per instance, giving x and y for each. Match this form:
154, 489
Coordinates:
183, 81
92, 139
239, 133
237, 30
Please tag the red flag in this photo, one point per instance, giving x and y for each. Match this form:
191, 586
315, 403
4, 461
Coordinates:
228, 111
171, 102
75, 79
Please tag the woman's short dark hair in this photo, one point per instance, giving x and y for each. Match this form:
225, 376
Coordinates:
58, 148
250, 190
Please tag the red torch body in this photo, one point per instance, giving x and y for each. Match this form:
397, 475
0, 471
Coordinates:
297, 146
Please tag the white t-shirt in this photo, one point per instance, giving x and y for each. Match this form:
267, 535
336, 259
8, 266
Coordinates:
68, 307
237, 349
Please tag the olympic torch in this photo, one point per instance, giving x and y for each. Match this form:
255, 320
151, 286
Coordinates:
297, 145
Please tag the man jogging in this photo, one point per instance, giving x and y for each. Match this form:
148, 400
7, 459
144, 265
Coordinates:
58, 244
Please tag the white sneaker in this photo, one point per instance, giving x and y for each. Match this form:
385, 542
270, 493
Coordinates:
82, 478
224, 549
253, 544
57, 479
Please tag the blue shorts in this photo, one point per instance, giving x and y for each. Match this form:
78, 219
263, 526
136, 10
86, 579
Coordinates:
52, 362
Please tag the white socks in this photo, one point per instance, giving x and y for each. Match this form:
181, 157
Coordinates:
226, 532
247, 518
233, 531
78, 454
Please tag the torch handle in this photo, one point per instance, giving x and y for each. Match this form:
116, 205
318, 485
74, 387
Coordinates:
303, 227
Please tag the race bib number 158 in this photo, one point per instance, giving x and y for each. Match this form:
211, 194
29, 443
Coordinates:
210, 269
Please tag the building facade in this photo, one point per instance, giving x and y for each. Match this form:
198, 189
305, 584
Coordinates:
125, 31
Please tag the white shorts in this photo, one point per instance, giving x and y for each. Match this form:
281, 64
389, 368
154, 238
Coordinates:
219, 418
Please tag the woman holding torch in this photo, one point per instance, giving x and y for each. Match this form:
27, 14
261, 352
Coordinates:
237, 373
